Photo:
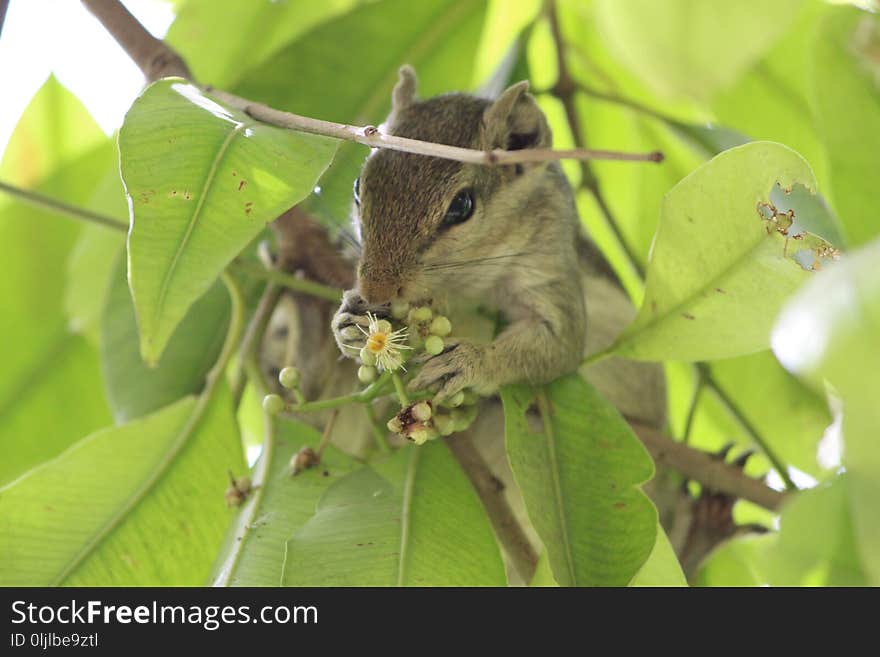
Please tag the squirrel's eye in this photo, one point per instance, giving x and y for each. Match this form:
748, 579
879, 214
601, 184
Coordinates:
357, 191
461, 208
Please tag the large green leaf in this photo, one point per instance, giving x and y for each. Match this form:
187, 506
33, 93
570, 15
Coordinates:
410, 520
828, 331
216, 37
50, 391
579, 475
688, 47
719, 269
818, 544
255, 545
352, 83
202, 182
133, 389
846, 100
140, 504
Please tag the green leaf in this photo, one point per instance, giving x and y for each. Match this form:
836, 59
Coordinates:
817, 544
662, 567
789, 415
255, 545
719, 269
741, 562
828, 331
543, 576
410, 520
438, 37
133, 389
846, 102
90, 265
50, 392
216, 38
688, 47
140, 504
579, 476
202, 182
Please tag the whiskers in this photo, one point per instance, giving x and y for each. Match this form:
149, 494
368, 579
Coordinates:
474, 262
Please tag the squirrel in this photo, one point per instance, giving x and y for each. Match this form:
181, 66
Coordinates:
504, 239
482, 243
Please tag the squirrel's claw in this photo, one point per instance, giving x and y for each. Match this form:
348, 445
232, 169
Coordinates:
453, 370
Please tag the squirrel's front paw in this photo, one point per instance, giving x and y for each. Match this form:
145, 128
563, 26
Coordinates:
350, 319
460, 366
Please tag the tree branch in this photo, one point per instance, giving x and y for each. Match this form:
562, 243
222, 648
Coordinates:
491, 492
708, 471
153, 56
4, 5
156, 59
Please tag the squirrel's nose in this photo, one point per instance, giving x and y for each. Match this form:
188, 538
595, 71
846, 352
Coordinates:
377, 290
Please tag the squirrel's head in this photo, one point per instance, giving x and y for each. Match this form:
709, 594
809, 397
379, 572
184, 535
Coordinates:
426, 221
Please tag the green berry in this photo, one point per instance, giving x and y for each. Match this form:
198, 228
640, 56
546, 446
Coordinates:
273, 404
422, 314
421, 411
367, 374
383, 326
470, 398
399, 309
350, 333
441, 326
434, 345
289, 377
368, 358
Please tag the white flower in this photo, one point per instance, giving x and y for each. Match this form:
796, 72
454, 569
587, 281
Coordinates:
385, 344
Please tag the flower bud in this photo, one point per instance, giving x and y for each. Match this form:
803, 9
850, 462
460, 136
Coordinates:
456, 400
444, 423
350, 333
366, 374
422, 314
289, 377
304, 459
395, 425
383, 326
273, 404
421, 411
441, 326
422, 435
434, 345
399, 309
368, 358
463, 417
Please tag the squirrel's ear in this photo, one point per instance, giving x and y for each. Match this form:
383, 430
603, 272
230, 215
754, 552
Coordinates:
515, 121
404, 93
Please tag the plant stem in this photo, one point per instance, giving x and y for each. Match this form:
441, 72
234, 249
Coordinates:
378, 430
749, 428
400, 390
594, 358
46, 203
250, 344
368, 394
291, 282
692, 406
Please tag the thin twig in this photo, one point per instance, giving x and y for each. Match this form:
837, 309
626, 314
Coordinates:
253, 337
709, 471
291, 282
156, 59
565, 90
692, 406
46, 203
327, 433
491, 492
